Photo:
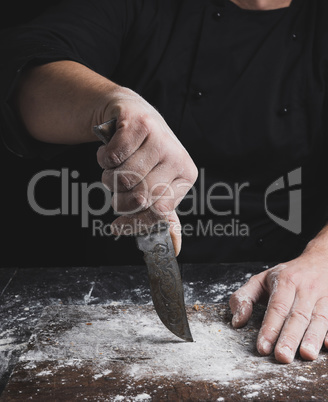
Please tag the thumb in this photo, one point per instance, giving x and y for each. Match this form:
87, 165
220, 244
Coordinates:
242, 301
175, 231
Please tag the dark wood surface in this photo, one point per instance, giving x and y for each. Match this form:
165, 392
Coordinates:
24, 293
108, 353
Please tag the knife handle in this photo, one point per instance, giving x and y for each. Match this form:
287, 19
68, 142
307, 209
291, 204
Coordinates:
105, 131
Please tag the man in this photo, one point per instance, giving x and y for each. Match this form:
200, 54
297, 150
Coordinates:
233, 88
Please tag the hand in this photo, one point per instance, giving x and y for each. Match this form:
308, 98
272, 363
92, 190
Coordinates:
145, 166
297, 311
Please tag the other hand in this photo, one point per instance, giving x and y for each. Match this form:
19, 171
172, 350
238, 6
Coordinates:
297, 310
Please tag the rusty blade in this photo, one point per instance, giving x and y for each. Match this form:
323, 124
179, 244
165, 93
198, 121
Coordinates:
165, 279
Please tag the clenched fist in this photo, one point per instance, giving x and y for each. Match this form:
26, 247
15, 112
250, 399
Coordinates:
145, 166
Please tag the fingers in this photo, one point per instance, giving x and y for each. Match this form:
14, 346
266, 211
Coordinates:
157, 169
162, 206
294, 327
153, 192
124, 143
297, 311
146, 167
241, 302
316, 334
132, 171
279, 305
292, 316
146, 193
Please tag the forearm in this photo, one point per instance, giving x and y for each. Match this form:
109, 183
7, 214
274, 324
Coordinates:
60, 102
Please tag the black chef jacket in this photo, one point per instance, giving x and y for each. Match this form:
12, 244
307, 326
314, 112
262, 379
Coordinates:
244, 91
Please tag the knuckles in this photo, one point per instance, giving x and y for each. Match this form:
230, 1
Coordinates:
146, 121
284, 278
320, 317
162, 208
281, 309
150, 131
181, 162
121, 181
109, 158
291, 339
130, 203
124, 181
300, 316
114, 158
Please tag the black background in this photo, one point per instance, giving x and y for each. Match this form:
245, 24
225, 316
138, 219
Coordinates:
32, 240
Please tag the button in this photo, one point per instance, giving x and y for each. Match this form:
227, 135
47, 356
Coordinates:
294, 36
217, 16
284, 111
260, 242
198, 94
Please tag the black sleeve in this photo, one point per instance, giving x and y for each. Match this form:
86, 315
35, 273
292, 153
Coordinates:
90, 32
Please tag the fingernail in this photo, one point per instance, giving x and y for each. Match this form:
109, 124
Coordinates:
266, 346
310, 348
235, 319
287, 352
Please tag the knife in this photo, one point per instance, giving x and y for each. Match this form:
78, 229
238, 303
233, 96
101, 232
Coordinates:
163, 270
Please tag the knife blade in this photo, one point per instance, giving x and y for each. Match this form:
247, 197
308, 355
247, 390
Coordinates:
163, 270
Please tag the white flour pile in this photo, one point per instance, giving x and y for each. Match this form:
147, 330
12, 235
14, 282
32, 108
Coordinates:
137, 337
217, 353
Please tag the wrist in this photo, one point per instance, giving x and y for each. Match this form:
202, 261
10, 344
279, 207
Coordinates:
319, 245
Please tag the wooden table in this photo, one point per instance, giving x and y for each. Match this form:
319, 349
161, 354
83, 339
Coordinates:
95, 337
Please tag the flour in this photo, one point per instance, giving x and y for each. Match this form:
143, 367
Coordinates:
251, 395
142, 397
20, 314
218, 353
6, 343
88, 298
214, 344
210, 293
301, 379
135, 340
104, 373
118, 398
215, 292
44, 373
